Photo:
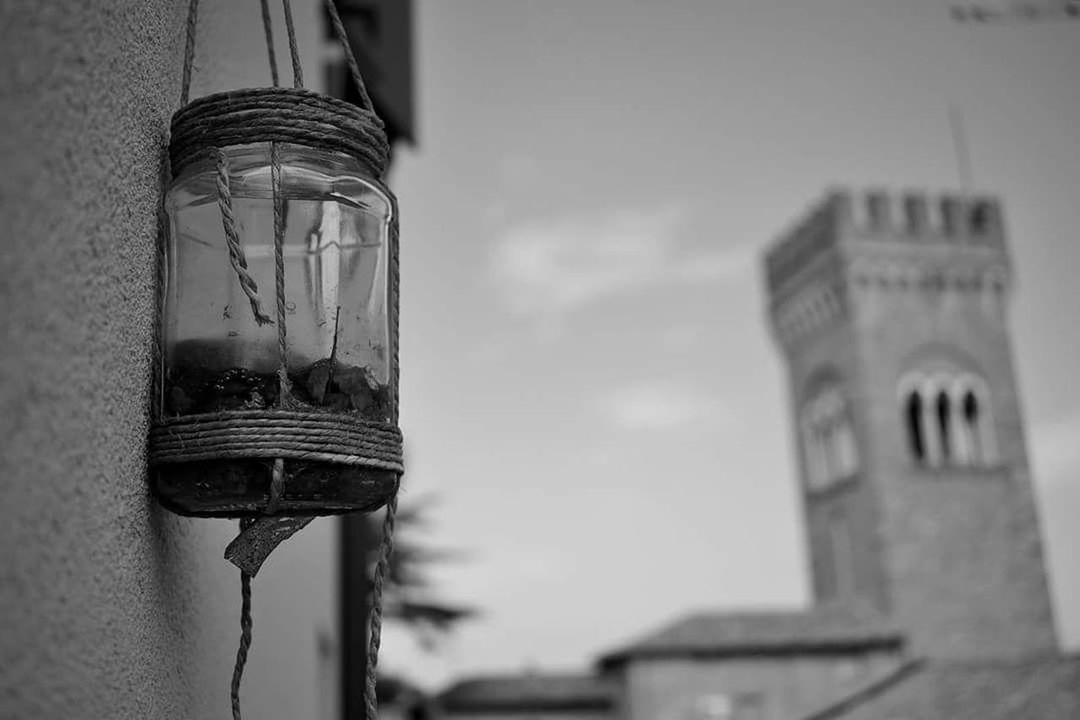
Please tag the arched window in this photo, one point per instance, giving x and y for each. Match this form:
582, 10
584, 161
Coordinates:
829, 444
847, 458
946, 420
969, 426
982, 217
913, 413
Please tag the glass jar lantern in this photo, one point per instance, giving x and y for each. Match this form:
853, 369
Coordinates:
278, 323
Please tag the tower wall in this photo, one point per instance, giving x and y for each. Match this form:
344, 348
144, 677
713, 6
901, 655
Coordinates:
952, 551
826, 354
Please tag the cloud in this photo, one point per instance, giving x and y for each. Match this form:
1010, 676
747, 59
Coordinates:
516, 178
660, 406
548, 268
680, 338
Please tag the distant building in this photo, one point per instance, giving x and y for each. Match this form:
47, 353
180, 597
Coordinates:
930, 589
538, 696
381, 35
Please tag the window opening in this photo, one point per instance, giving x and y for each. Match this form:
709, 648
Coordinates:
914, 426
943, 416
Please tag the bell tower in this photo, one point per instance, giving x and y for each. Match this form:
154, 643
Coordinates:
891, 312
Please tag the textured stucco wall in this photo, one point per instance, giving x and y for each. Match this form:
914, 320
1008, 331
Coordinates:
110, 607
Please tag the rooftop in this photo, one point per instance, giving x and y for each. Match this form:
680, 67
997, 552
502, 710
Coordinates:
824, 630
527, 691
1042, 689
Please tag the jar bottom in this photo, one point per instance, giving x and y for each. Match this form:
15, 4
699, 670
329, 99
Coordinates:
241, 488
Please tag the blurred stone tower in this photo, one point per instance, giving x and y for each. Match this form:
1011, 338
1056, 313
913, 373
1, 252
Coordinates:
891, 312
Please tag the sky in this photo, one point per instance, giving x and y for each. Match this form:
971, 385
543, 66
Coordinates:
590, 391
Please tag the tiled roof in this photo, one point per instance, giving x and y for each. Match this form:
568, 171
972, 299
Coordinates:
717, 634
527, 691
1037, 689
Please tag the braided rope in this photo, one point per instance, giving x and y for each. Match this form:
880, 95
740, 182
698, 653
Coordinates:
350, 58
393, 238
279, 271
289, 115
386, 547
306, 436
277, 480
189, 51
161, 271
232, 239
277, 487
294, 53
268, 29
277, 477
245, 641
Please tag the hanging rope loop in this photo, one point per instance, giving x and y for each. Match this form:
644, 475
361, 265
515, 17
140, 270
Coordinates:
350, 57
189, 50
269, 32
232, 238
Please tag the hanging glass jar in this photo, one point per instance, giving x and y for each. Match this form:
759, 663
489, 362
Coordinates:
277, 388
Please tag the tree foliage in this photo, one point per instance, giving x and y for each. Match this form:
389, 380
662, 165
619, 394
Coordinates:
409, 595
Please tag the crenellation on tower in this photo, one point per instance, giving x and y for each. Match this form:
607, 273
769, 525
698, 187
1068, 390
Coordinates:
878, 210
880, 241
793, 251
923, 217
844, 219
916, 212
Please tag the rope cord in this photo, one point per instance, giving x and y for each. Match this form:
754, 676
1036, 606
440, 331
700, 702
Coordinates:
189, 51
350, 58
294, 53
279, 271
245, 642
277, 481
245, 636
269, 42
279, 248
386, 547
277, 486
161, 269
232, 239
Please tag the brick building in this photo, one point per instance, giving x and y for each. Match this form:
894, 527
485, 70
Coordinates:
930, 591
